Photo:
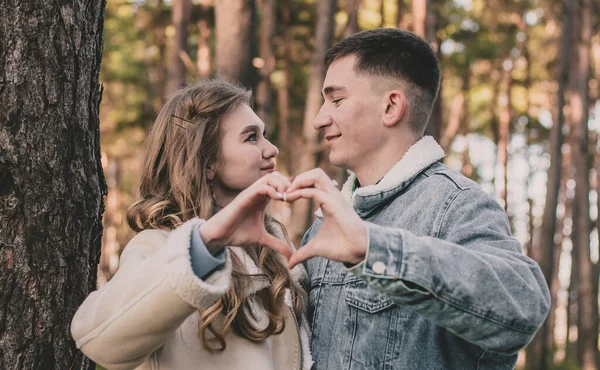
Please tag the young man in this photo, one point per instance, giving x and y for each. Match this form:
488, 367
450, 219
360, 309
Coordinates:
420, 270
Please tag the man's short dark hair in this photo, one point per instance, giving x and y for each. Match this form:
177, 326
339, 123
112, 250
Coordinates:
396, 54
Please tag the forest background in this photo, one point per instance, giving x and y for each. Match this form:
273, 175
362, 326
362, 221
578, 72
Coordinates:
518, 112
509, 68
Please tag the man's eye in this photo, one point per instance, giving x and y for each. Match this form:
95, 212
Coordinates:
337, 101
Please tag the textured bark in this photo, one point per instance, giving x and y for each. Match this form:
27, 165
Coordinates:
538, 353
177, 71
264, 91
51, 177
310, 146
234, 23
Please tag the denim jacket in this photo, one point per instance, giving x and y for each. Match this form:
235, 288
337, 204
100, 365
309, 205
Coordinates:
444, 285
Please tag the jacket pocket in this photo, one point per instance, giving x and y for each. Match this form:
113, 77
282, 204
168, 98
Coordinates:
361, 296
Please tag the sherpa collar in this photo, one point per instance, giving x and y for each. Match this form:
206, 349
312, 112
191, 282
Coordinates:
258, 282
418, 157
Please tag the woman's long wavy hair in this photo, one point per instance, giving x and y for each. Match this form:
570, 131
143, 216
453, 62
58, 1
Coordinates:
183, 142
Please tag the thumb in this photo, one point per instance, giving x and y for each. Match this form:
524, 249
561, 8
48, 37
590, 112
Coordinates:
276, 244
302, 254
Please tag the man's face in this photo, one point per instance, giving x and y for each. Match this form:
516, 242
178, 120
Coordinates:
350, 116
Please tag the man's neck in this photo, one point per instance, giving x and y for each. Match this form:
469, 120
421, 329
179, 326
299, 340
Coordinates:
376, 166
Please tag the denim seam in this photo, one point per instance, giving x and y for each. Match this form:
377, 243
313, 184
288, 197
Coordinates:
447, 206
474, 311
483, 351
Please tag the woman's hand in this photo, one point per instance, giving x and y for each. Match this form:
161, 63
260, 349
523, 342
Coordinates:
242, 222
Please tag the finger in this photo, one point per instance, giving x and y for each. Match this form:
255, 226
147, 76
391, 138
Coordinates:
302, 255
268, 190
308, 193
316, 178
278, 181
277, 245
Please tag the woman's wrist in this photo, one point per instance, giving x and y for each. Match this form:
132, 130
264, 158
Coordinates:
213, 243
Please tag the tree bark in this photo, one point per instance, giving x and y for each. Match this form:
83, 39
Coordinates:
234, 23
310, 137
539, 356
177, 71
51, 181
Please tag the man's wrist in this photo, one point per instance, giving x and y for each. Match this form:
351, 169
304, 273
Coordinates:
360, 250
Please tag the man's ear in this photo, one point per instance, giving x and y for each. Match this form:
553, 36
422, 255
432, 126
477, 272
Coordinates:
396, 105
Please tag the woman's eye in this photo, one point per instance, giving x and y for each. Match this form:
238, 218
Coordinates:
337, 101
252, 137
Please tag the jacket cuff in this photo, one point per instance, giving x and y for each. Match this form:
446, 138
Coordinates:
180, 274
383, 259
203, 262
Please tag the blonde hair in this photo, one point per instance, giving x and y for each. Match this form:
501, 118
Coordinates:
183, 142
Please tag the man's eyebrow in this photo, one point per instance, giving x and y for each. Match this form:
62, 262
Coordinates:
331, 89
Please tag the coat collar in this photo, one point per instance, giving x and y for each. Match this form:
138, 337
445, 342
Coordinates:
257, 283
418, 157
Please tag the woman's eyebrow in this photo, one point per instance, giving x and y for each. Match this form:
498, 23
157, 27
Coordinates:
250, 128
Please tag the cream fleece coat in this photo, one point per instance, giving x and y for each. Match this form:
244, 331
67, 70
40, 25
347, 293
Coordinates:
146, 317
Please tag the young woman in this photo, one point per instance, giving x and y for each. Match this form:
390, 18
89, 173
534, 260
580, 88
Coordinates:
203, 285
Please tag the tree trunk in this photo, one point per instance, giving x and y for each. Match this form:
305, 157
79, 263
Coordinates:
264, 93
203, 49
283, 95
538, 354
580, 115
177, 72
160, 39
424, 25
505, 104
310, 137
51, 181
457, 113
400, 20
234, 24
352, 7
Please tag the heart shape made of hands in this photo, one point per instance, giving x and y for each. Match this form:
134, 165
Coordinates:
341, 237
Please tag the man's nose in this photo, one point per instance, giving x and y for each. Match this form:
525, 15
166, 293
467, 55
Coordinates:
322, 120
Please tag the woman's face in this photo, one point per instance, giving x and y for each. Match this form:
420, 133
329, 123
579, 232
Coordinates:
245, 155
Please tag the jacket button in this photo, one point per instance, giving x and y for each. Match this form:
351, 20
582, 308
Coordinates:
379, 267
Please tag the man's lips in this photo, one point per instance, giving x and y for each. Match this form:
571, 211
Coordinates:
331, 138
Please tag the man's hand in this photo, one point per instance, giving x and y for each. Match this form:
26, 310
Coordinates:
343, 235
242, 222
